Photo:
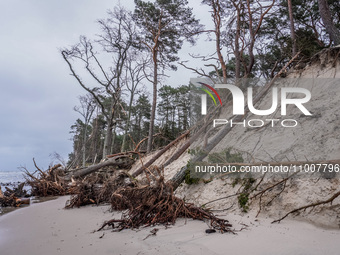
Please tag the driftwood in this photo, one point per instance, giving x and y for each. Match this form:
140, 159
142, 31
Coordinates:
13, 201
14, 197
18, 191
87, 193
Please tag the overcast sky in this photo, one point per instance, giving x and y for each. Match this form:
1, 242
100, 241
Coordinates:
37, 92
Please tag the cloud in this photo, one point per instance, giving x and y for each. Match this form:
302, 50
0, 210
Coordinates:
37, 93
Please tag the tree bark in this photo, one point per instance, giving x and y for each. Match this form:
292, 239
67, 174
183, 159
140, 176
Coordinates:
184, 147
108, 136
160, 153
115, 161
292, 27
128, 123
84, 145
108, 139
217, 20
237, 43
325, 13
154, 102
251, 43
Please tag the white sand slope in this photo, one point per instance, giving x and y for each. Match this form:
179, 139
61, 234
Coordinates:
47, 228
315, 138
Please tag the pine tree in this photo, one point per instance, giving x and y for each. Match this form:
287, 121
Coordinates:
164, 24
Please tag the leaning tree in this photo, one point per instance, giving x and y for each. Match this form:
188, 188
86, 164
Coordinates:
117, 38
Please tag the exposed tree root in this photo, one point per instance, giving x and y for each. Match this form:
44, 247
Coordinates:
91, 192
149, 206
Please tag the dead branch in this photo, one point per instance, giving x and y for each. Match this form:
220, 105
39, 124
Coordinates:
47, 183
272, 186
221, 198
329, 200
144, 139
13, 201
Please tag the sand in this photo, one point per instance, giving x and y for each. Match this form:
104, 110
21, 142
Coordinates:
314, 139
47, 228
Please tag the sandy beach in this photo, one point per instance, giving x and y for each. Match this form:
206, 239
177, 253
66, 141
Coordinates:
47, 228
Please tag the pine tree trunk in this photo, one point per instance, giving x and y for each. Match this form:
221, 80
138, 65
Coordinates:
237, 45
325, 13
154, 103
292, 27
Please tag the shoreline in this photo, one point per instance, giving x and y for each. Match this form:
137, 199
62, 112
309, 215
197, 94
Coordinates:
47, 228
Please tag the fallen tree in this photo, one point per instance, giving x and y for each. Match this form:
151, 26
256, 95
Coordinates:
185, 146
121, 161
179, 177
160, 153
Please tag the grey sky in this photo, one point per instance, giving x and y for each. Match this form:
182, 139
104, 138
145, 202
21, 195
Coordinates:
37, 93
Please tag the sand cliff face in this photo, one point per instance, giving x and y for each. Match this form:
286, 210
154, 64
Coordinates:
315, 138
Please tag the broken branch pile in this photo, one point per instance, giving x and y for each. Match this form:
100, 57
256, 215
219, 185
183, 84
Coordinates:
91, 192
